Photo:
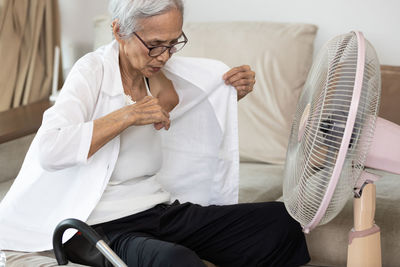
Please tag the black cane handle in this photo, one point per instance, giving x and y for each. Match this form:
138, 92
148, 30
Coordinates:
82, 227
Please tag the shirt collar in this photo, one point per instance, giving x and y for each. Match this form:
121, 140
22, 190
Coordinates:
112, 84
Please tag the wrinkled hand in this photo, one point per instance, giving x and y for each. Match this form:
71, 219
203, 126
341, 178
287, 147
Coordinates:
242, 78
147, 111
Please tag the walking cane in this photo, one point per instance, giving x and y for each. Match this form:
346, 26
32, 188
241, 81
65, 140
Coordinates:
89, 234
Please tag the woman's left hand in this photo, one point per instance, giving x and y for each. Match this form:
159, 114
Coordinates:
242, 78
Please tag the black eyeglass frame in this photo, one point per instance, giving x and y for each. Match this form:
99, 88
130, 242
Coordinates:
165, 47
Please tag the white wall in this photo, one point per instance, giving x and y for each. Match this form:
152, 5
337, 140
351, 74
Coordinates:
77, 33
379, 20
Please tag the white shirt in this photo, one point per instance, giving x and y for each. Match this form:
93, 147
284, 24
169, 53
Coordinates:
57, 181
132, 187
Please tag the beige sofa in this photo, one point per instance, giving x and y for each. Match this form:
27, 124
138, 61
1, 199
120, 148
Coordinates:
281, 55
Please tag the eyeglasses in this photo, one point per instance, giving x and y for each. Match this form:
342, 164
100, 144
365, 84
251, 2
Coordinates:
155, 51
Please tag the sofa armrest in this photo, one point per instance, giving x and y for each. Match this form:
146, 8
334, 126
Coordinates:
22, 121
390, 96
17, 129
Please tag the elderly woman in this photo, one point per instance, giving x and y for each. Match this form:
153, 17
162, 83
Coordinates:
102, 154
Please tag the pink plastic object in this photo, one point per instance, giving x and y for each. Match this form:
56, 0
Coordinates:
384, 153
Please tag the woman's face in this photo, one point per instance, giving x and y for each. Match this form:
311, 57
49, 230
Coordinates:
164, 29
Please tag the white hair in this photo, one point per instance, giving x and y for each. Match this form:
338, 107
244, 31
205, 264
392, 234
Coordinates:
129, 12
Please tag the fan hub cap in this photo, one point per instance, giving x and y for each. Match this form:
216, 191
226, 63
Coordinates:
303, 122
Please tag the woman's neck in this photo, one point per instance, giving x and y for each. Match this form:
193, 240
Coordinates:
131, 78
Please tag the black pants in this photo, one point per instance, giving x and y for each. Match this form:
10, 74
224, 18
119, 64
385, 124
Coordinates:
256, 234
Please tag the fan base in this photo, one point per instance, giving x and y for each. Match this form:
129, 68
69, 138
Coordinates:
365, 251
364, 247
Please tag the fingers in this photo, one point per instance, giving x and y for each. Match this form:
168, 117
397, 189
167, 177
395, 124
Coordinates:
242, 78
158, 125
241, 94
162, 124
149, 111
233, 71
242, 91
159, 117
243, 82
167, 122
166, 114
145, 99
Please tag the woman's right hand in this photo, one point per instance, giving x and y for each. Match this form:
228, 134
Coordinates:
147, 111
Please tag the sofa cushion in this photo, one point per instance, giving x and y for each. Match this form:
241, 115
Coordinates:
102, 31
42, 259
281, 55
260, 182
12, 154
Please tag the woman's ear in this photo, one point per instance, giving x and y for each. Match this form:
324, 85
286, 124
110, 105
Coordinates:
115, 29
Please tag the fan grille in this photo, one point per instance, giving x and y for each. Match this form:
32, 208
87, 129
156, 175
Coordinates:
312, 158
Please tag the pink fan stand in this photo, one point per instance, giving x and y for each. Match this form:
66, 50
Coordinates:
364, 247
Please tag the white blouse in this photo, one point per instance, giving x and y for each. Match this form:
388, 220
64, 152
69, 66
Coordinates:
132, 187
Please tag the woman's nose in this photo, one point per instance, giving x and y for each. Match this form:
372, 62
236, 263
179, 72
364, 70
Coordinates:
164, 56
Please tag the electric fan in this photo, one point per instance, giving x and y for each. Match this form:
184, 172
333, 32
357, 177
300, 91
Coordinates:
336, 134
